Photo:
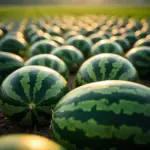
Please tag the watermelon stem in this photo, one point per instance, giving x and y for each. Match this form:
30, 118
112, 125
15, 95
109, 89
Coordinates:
32, 106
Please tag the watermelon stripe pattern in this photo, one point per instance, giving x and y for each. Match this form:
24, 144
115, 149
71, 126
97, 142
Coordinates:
70, 55
9, 62
42, 47
29, 94
104, 115
106, 46
140, 58
12, 44
106, 67
49, 61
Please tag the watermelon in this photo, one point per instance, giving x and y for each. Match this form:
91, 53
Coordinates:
124, 43
59, 40
82, 43
12, 44
27, 142
29, 94
42, 47
49, 61
35, 38
106, 46
9, 62
140, 58
141, 34
70, 34
96, 38
107, 115
142, 42
70, 55
131, 38
106, 67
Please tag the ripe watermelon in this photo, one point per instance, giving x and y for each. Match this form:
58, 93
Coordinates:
131, 38
9, 62
140, 58
27, 142
142, 42
106, 67
124, 43
12, 44
97, 37
106, 46
70, 55
42, 47
49, 61
82, 43
29, 93
103, 116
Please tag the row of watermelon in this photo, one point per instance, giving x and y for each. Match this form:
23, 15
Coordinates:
109, 114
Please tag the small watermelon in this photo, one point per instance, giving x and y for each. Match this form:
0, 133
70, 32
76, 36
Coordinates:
27, 142
82, 43
9, 62
70, 55
49, 61
106, 67
42, 47
131, 38
29, 94
108, 115
12, 44
59, 40
106, 46
124, 43
140, 58
142, 42
97, 37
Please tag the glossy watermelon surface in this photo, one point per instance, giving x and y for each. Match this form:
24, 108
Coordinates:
9, 62
106, 67
104, 115
27, 142
29, 94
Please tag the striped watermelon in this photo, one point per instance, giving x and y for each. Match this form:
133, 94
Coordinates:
12, 44
97, 37
27, 142
142, 42
42, 47
124, 43
106, 46
131, 38
49, 61
29, 93
140, 58
106, 67
108, 115
70, 55
9, 62
59, 40
82, 43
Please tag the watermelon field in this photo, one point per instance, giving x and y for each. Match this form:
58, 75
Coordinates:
74, 77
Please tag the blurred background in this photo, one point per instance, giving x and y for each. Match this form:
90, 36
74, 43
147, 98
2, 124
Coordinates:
91, 2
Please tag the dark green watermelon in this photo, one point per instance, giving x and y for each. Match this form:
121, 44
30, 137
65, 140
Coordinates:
108, 115
27, 142
124, 43
9, 62
140, 58
12, 44
49, 61
42, 47
82, 43
131, 38
70, 55
97, 37
29, 94
106, 46
142, 42
106, 67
